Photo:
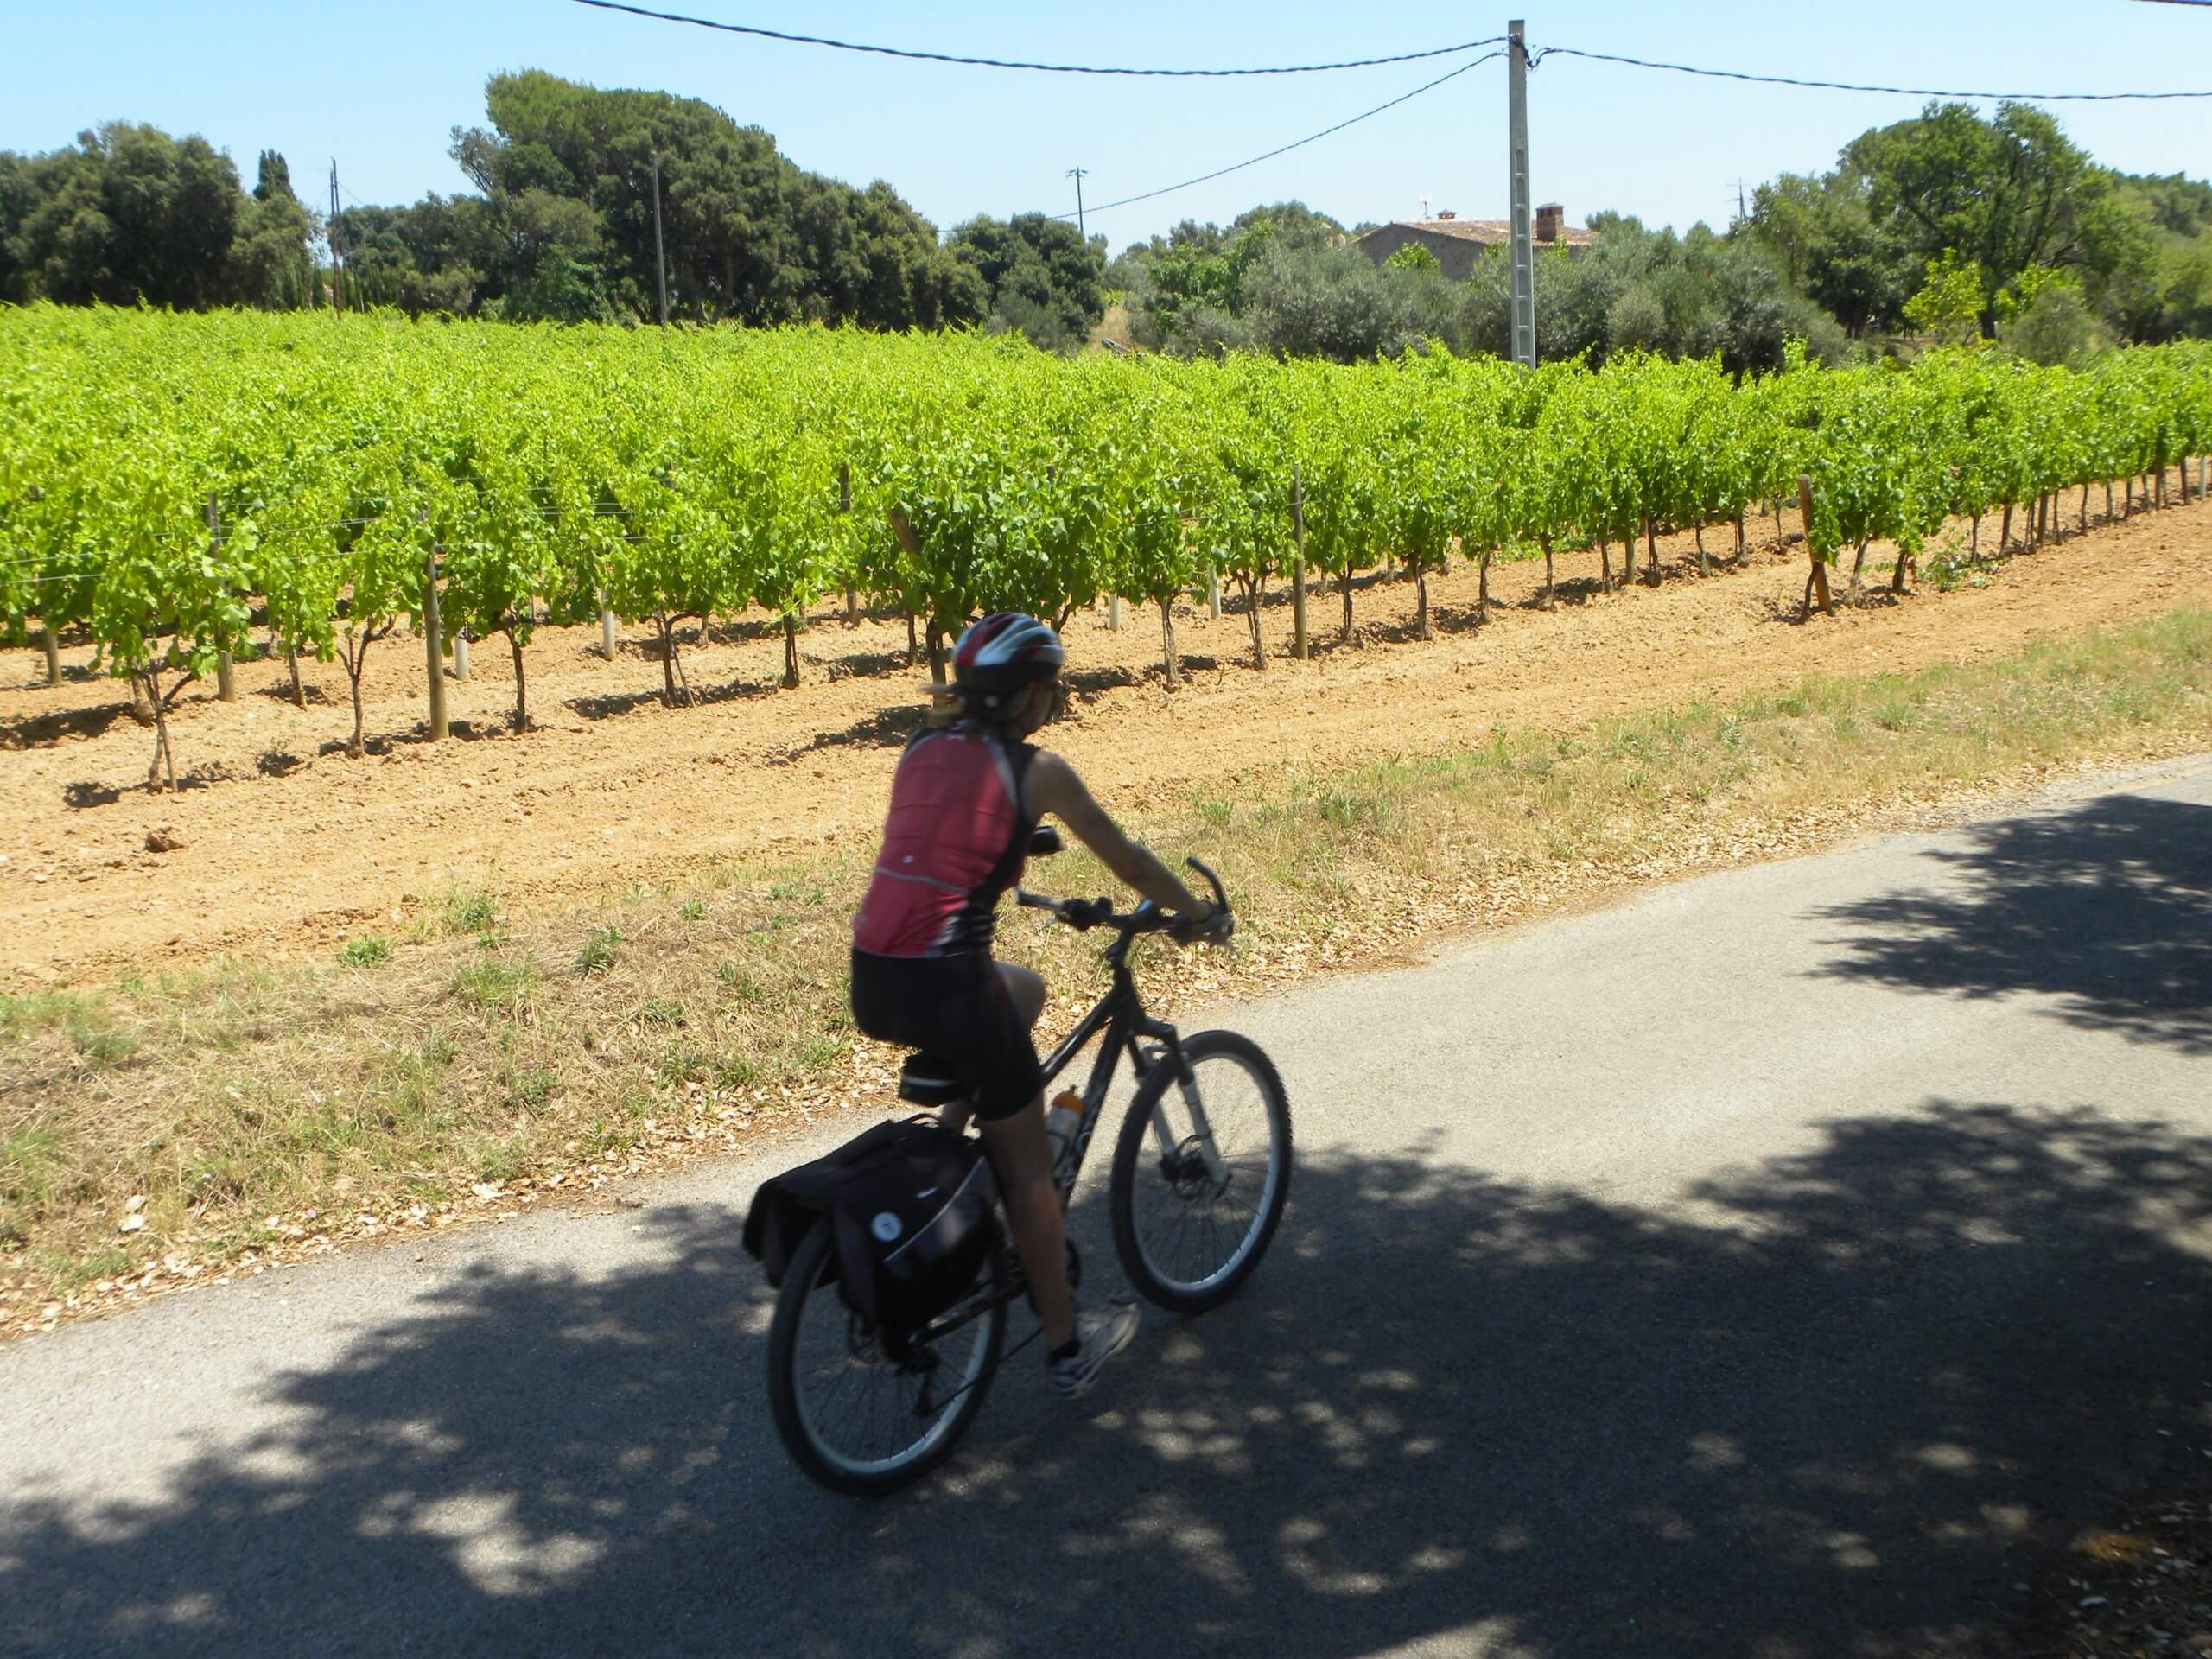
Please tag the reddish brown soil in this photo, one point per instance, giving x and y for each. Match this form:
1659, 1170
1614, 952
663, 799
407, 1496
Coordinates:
286, 844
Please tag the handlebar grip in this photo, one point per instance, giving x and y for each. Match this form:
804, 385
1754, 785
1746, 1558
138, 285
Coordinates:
1220, 898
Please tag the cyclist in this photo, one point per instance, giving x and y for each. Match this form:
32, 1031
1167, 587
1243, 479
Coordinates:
968, 790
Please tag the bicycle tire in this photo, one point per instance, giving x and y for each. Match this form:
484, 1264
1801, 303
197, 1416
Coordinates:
1198, 1296
825, 1464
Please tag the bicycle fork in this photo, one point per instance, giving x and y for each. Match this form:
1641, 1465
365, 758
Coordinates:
1169, 1052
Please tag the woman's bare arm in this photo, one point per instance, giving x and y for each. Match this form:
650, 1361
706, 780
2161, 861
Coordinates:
1052, 786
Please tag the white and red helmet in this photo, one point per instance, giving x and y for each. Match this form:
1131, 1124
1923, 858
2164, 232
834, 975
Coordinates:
1004, 652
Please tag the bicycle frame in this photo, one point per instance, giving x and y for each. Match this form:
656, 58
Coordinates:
1120, 1015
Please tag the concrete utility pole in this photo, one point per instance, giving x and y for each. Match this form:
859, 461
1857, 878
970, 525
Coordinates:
660, 258
1524, 252
1077, 173
337, 246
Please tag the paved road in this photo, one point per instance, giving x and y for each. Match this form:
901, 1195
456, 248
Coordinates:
1773, 1265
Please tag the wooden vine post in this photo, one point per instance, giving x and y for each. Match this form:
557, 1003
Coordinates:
52, 650
1816, 583
227, 678
1298, 644
845, 505
903, 531
432, 648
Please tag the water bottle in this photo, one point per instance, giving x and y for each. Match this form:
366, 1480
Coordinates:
1062, 1119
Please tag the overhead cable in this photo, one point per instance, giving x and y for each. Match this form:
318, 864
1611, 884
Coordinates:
1006, 63
1537, 57
1220, 172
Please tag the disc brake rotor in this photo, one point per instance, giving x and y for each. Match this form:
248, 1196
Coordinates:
1187, 1172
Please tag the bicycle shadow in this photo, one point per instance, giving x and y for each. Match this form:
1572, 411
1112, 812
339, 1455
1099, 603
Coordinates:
1838, 1408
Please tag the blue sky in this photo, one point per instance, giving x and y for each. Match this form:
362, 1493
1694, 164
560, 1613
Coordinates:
378, 86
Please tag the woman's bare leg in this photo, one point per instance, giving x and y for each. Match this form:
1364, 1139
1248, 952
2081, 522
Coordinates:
1023, 1159
1027, 990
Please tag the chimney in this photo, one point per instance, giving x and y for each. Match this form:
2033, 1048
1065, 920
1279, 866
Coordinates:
1549, 218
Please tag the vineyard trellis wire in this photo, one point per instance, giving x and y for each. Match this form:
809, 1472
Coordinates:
546, 474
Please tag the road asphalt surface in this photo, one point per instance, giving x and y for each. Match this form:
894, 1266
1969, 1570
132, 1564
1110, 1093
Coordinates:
1781, 1262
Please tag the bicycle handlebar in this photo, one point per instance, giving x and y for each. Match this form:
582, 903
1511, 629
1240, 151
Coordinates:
1083, 914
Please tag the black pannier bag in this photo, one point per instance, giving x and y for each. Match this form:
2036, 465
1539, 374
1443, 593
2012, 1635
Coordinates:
910, 1203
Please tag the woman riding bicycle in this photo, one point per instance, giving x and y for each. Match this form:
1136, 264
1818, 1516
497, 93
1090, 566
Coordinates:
968, 790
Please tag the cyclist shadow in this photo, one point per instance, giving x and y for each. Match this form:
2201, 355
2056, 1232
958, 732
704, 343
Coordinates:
1836, 1403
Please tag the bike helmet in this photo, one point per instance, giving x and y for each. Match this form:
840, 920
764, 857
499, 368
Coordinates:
1003, 653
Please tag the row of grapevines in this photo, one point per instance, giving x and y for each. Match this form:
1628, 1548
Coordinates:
168, 483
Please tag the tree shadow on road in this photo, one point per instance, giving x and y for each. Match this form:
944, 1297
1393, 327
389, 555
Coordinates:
1836, 1405
2106, 905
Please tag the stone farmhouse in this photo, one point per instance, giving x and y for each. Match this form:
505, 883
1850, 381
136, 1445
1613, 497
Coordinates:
1457, 242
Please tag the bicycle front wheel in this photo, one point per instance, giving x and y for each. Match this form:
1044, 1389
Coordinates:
1201, 1173
852, 1418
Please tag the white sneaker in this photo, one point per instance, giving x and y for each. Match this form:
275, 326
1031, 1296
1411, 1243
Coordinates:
1103, 1336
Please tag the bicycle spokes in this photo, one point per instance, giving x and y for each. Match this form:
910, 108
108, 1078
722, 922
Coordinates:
1199, 1203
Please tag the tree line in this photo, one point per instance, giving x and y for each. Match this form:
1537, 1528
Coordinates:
2021, 235
128, 215
1947, 224
561, 228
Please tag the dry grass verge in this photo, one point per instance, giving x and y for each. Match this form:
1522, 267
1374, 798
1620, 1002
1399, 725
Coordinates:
180, 1130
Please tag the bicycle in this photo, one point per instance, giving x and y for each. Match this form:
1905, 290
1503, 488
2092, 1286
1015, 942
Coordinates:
900, 1419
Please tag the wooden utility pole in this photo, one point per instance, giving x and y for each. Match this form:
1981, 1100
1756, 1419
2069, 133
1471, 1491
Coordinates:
1298, 645
1077, 173
227, 678
660, 258
1816, 581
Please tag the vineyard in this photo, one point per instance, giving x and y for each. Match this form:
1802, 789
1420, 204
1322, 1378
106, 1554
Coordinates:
185, 492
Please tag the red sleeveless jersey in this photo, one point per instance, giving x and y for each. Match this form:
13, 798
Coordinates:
955, 839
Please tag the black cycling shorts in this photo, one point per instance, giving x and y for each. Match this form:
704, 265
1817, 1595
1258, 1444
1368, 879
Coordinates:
958, 1008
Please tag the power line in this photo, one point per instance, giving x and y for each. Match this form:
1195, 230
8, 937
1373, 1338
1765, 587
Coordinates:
1004, 63
1851, 86
1221, 172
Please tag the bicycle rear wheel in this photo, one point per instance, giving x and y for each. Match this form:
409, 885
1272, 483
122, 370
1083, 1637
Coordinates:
852, 1418
1201, 1173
